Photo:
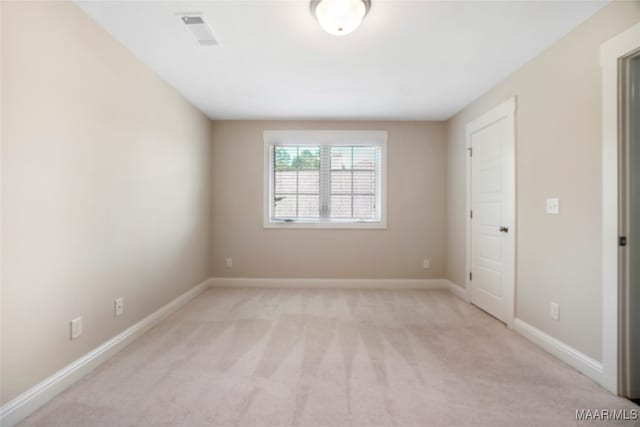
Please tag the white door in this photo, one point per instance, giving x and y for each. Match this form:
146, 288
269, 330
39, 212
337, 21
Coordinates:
491, 237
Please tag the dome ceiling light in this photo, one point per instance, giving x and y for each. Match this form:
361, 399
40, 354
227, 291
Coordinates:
340, 17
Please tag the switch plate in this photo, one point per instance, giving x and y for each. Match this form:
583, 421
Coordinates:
426, 264
76, 328
229, 262
118, 306
554, 311
553, 206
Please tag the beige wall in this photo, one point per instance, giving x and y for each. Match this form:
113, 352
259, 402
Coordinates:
558, 122
108, 176
416, 208
105, 189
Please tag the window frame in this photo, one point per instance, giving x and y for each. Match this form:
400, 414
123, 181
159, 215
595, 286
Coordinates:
324, 138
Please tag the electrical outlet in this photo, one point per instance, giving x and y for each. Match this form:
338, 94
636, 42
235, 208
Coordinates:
426, 264
76, 328
118, 306
229, 262
554, 311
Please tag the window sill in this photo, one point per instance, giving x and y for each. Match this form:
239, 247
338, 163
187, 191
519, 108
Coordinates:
365, 225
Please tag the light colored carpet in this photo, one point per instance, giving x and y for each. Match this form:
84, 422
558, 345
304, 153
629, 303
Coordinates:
287, 357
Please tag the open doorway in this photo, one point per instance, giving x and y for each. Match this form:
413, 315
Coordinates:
620, 210
629, 209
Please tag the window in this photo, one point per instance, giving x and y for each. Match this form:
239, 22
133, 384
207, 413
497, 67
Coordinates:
325, 179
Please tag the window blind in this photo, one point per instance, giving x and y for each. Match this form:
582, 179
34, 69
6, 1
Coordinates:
296, 182
331, 183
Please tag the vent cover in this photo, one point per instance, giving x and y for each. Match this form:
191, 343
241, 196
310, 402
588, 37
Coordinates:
199, 27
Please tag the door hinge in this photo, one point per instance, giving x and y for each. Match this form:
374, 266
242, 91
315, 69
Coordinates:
622, 241
470, 276
471, 214
470, 151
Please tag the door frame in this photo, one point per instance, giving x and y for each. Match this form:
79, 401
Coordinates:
507, 111
611, 52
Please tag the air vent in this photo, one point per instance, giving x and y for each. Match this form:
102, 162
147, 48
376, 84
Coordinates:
199, 27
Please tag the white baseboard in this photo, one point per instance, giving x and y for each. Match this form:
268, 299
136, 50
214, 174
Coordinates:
20, 407
26, 403
241, 282
459, 291
569, 355
572, 357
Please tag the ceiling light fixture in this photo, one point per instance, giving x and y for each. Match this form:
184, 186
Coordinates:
340, 17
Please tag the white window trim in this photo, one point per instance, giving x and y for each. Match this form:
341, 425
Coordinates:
324, 137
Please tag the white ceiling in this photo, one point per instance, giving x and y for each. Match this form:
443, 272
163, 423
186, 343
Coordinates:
409, 60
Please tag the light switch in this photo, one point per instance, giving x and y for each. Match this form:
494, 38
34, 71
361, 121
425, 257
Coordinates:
553, 206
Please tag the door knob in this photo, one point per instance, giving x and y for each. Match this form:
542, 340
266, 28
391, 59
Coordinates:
504, 229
